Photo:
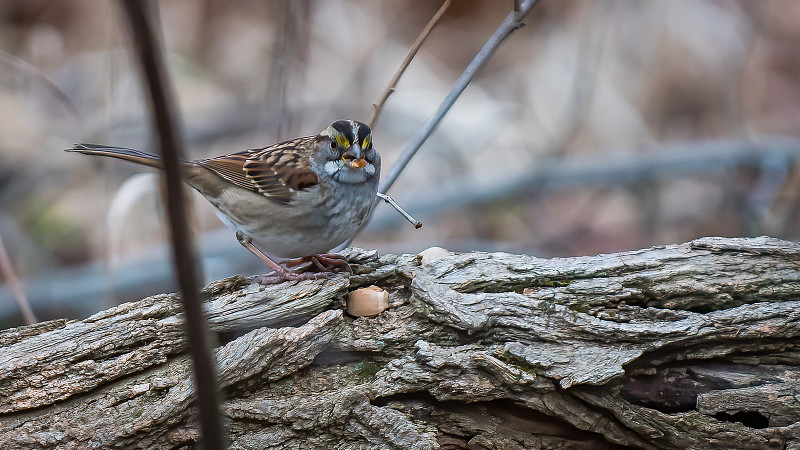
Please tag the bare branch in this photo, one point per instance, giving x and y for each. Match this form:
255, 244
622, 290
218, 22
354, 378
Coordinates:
404, 65
157, 82
33, 74
511, 23
290, 45
390, 200
16, 288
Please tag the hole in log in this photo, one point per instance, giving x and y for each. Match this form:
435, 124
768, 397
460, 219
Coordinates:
751, 419
670, 390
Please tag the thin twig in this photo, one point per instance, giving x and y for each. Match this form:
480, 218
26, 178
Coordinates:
376, 112
390, 200
31, 73
512, 22
16, 288
290, 46
154, 72
589, 56
276, 81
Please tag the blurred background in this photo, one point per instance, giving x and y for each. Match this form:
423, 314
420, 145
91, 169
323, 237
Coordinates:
600, 126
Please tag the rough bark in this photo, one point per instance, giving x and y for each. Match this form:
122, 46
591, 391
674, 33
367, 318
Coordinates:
682, 346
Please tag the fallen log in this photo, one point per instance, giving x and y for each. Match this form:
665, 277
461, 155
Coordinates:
680, 346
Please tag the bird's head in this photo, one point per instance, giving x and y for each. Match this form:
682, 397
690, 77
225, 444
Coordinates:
347, 153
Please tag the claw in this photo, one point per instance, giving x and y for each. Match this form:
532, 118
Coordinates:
325, 264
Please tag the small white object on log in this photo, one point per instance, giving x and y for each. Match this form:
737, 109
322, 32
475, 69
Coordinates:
432, 254
369, 301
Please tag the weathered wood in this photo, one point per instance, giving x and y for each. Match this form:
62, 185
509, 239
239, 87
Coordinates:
682, 346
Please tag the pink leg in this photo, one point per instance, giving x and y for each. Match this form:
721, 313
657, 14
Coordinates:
281, 273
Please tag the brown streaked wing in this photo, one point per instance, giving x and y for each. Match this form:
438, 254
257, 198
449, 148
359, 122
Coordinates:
292, 166
231, 168
275, 172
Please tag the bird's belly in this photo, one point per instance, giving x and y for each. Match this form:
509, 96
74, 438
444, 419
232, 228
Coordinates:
290, 231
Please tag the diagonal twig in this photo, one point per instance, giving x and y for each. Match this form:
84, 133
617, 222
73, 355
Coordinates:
512, 22
16, 288
376, 112
417, 224
154, 72
291, 42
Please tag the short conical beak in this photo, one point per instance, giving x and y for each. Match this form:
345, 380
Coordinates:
355, 152
354, 157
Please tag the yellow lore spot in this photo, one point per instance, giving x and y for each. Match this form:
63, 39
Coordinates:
342, 140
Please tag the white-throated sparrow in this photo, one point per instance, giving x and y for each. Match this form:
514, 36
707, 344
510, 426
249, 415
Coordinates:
298, 198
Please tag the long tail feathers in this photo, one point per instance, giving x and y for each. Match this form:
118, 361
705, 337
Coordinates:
126, 154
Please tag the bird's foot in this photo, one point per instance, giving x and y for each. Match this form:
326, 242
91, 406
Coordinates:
322, 262
312, 267
281, 273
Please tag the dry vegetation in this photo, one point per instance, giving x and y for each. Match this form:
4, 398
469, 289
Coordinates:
587, 132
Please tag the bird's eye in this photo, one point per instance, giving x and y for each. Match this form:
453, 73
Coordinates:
333, 144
